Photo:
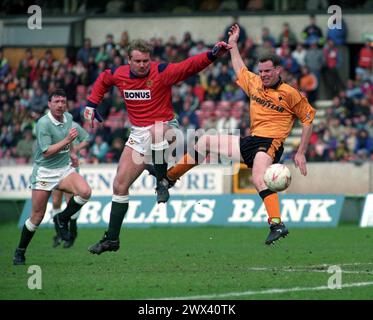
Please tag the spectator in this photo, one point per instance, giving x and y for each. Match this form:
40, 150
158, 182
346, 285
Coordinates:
24, 147
224, 78
7, 158
299, 54
39, 101
364, 142
25, 65
333, 60
198, 48
4, 65
213, 91
266, 36
109, 43
123, 44
86, 51
190, 114
338, 35
289, 63
287, 35
116, 149
364, 66
312, 33
309, 84
314, 59
99, 149
102, 55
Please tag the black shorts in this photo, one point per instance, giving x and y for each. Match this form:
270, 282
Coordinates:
250, 145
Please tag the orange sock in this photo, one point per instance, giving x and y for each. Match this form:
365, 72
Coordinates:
272, 204
186, 163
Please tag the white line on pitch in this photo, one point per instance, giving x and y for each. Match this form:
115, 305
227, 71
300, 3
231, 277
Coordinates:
309, 267
309, 270
268, 291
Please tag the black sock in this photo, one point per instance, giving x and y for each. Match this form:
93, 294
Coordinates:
160, 165
26, 237
56, 229
71, 208
73, 228
265, 192
118, 211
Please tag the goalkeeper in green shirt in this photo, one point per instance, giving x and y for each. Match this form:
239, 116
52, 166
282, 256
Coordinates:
55, 163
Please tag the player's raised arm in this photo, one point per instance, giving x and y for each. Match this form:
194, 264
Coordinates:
100, 87
176, 72
300, 158
305, 113
237, 61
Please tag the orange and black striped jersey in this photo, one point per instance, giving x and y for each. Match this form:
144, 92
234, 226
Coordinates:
273, 110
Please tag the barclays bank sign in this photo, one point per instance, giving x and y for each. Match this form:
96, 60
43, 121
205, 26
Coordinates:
198, 210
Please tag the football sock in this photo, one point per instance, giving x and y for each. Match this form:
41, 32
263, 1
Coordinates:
72, 207
119, 207
54, 212
28, 232
272, 205
73, 228
186, 163
159, 156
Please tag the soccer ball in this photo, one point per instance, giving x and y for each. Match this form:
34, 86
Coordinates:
277, 177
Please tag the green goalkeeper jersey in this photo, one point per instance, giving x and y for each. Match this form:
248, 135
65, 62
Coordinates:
50, 131
82, 134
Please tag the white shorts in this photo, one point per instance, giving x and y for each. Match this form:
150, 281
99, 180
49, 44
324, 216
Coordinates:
48, 179
140, 138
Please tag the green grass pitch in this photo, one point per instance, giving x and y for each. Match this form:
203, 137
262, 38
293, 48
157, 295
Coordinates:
197, 263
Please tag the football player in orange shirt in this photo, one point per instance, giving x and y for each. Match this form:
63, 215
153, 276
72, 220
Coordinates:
274, 106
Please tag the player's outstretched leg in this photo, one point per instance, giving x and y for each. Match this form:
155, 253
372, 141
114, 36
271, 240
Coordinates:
110, 240
277, 229
104, 245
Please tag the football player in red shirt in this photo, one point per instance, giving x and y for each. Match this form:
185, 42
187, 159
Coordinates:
145, 86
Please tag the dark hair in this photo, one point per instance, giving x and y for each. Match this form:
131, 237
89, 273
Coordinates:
276, 60
140, 45
57, 93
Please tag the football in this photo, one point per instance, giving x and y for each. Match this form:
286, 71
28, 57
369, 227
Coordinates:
277, 177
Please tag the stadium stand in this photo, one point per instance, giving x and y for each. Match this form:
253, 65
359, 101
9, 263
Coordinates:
208, 100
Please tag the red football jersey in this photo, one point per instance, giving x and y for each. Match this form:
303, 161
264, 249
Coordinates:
148, 99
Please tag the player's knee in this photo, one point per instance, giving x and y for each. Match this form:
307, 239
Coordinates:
119, 187
258, 182
85, 192
35, 220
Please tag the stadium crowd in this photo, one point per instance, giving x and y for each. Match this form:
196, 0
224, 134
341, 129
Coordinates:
209, 100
